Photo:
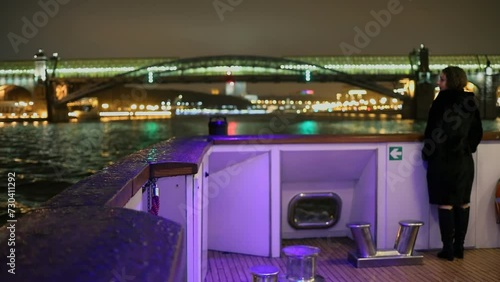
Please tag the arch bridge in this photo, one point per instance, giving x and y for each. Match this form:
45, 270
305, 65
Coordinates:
239, 68
90, 76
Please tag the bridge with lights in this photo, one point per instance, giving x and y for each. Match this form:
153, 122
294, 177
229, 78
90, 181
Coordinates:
63, 81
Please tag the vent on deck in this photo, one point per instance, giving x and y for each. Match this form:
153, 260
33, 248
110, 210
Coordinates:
314, 210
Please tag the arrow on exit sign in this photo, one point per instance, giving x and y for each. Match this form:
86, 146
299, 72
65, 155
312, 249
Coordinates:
395, 153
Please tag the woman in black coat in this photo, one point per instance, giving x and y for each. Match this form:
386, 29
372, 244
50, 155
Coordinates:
452, 134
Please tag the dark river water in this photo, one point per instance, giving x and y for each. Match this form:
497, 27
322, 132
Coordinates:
47, 158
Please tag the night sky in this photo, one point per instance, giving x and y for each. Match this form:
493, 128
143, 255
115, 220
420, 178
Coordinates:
189, 28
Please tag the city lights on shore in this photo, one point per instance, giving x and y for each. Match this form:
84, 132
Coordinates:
355, 100
259, 107
351, 100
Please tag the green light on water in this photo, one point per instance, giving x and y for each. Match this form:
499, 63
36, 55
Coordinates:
151, 128
308, 127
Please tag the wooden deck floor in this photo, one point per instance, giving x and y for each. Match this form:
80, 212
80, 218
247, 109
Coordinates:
478, 265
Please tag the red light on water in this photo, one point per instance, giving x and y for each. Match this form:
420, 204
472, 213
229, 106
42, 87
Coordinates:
231, 128
307, 92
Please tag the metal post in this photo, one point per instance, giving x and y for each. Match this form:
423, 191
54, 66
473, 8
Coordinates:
363, 239
264, 273
301, 263
407, 235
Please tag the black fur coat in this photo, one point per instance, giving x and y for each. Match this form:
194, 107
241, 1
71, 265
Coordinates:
452, 134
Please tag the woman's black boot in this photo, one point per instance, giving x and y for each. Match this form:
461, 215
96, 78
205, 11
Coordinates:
446, 226
461, 224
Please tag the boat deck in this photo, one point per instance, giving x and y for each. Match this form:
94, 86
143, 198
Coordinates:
332, 264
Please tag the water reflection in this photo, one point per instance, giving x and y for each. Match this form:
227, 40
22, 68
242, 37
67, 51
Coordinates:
308, 127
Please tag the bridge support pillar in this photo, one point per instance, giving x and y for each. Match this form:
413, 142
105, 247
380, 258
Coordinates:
418, 107
424, 95
488, 97
55, 112
408, 110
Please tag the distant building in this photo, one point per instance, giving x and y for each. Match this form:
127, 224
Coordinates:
251, 97
236, 88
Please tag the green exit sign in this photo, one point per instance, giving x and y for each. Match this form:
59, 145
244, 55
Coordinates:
395, 153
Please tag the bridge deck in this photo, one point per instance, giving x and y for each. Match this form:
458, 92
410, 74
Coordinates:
396, 64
